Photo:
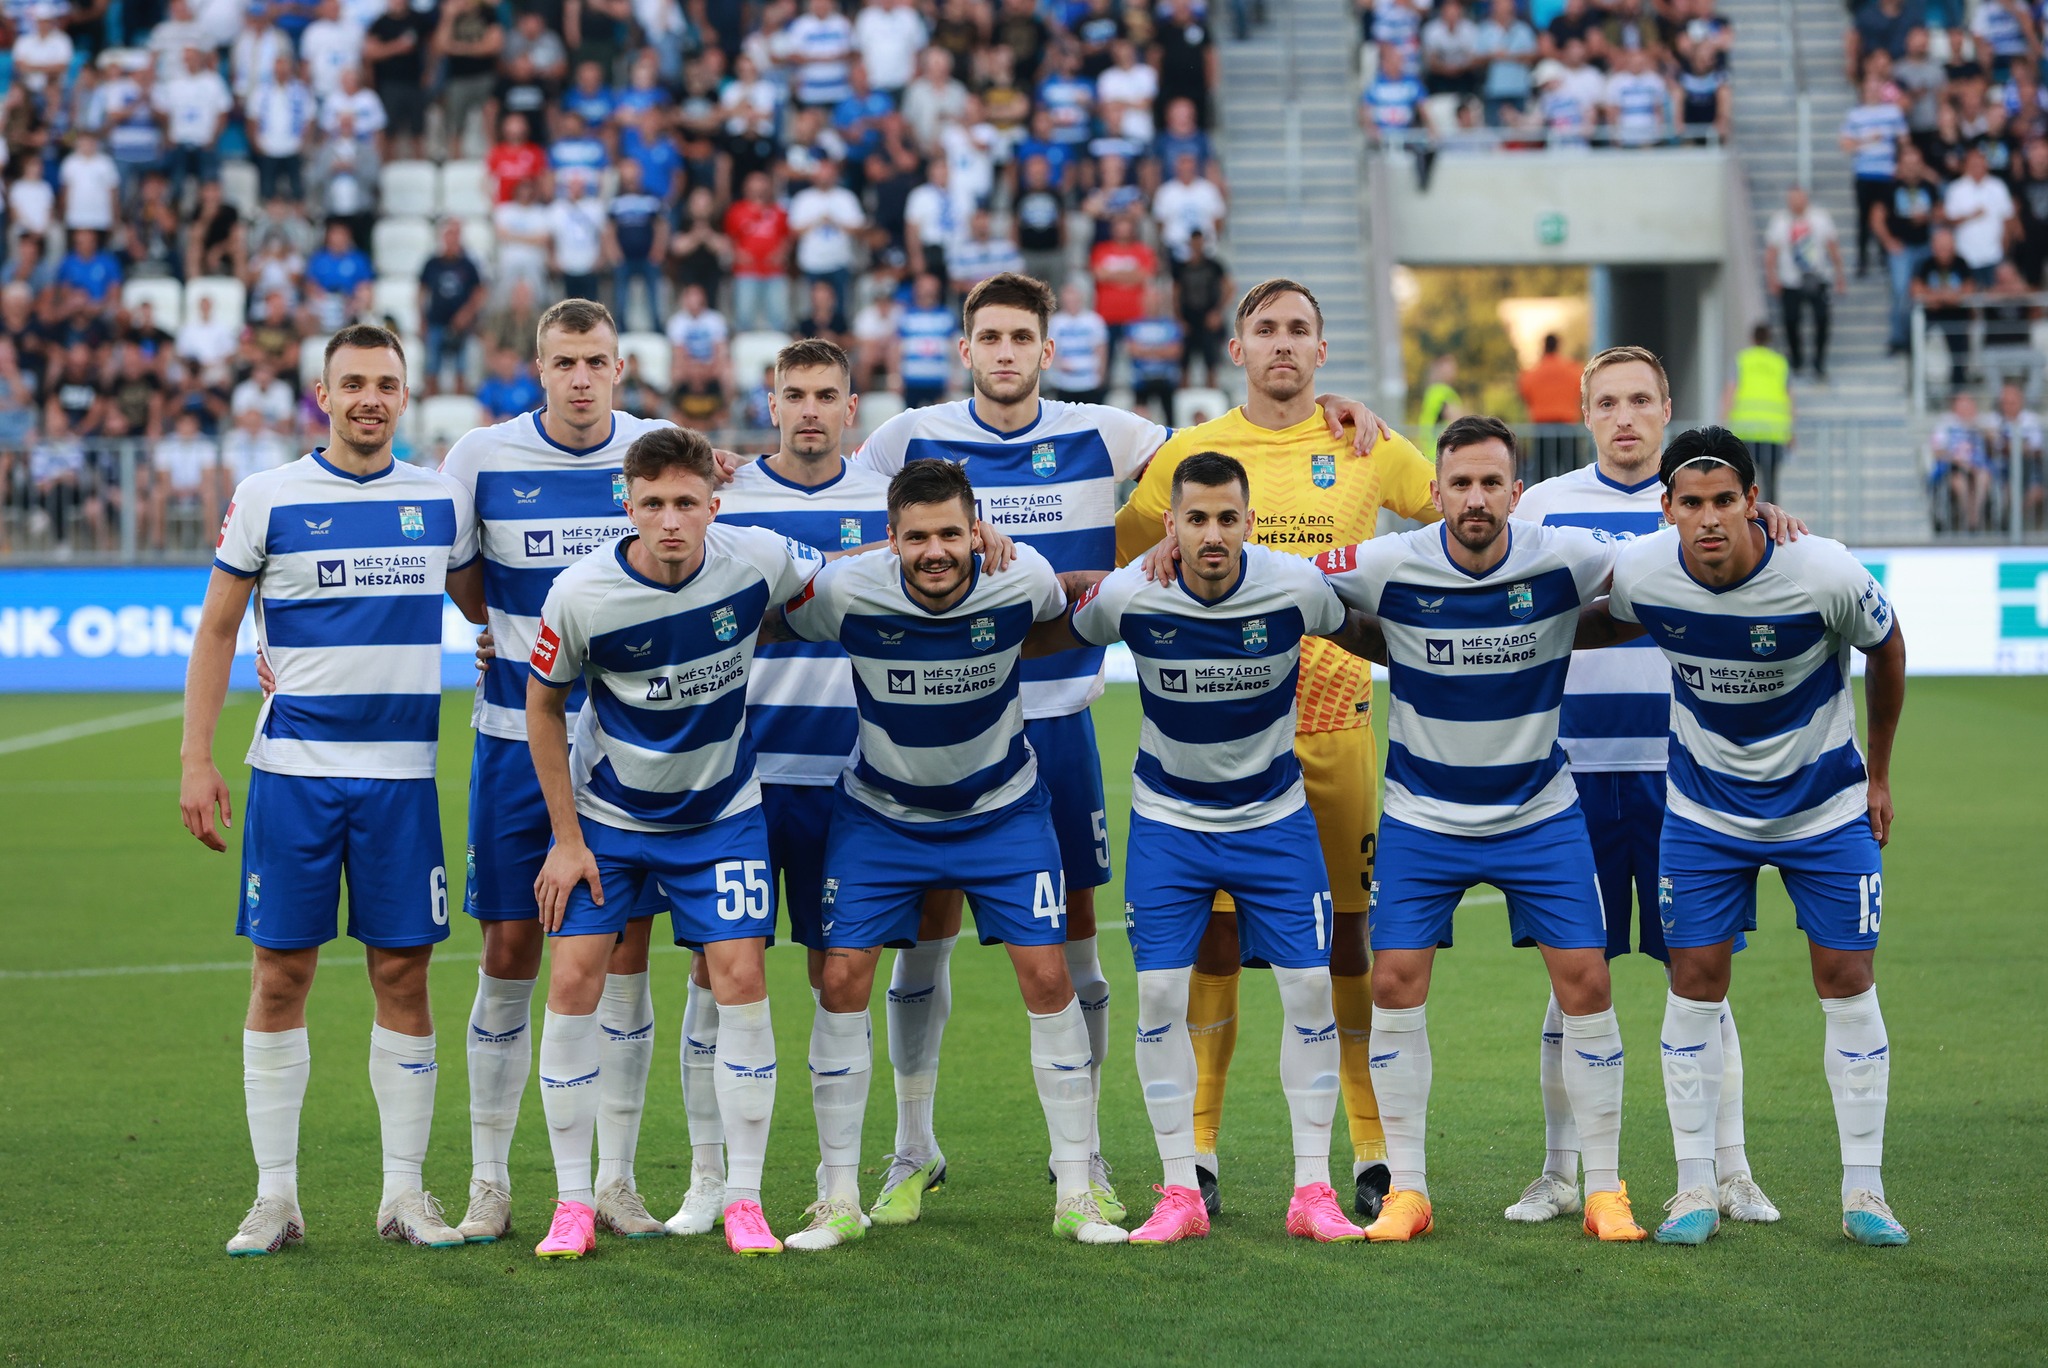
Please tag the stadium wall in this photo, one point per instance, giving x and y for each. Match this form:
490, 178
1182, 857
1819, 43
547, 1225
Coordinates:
80, 629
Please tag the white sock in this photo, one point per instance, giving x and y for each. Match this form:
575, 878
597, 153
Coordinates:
746, 1094
920, 1000
1560, 1132
1731, 1160
1308, 1067
1592, 1063
700, 1088
842, 1066
1693, 1066
1059, 1065
625, 1021
500, 1058
1400, 1078
569, 1067
1091, 990
275, 1066
1166, 1069
1859, 1069
402, 1074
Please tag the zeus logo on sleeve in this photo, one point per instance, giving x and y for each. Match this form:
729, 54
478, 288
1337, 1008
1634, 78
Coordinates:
546, 646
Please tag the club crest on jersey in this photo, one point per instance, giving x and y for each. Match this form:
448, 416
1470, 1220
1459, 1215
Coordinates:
849, 533
1521, 600
1045, 460
1763, 638
252, 889
619, 488
1322, 470
724, 625
1255, 634
981, 633
412, 522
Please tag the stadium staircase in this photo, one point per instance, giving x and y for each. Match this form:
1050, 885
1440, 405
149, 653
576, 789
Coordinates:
1855, 429
1315, 238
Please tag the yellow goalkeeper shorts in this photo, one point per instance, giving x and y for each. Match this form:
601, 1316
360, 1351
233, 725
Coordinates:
1340, 770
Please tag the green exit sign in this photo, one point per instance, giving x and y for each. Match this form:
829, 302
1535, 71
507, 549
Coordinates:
1551, 229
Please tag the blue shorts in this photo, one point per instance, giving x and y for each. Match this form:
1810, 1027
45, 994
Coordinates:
1274, 874
878, 870
714, 879
509, 835
1708, 888
1546, 871
798, 817
302, 832
1070, 768
1625, 821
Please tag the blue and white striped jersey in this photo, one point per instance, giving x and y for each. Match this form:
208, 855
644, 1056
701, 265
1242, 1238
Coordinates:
1617, 700
1050, 484
1763, 728
350, 571
1476, 667
800, 705
1217, 679
663, 743
819, 48
541, 505
941, 717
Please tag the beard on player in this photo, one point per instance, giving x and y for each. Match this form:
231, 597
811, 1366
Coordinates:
1006, 381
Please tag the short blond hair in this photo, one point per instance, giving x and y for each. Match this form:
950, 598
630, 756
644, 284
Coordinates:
1621, 356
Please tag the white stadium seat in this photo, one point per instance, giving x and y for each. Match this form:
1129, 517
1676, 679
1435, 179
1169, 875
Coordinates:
398, 298
165, 297
1192, 406
409, 188
465, 188
651, 349
230, 298
312, 354
400, 246
751, 351
240, 186
447, 416
480, 240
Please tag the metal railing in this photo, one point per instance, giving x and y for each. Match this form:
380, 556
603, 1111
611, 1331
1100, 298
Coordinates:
1973, 354
1793, 55
1492, 140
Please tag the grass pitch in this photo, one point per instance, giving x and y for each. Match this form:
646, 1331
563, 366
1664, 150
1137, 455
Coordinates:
124, 1160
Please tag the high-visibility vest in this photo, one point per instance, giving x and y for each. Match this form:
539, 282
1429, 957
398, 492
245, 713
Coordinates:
1434, 400
1762, 411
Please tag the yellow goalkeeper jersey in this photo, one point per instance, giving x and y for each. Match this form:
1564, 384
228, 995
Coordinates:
1309, 493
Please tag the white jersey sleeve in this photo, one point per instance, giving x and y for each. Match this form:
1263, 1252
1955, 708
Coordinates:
1099, 616
883, 451
243, 545
562, 643
787, 565
468, 543
1850, 598
1591, 554
1048, 599
1322, 612
1358, 574
815, 614
1132, 438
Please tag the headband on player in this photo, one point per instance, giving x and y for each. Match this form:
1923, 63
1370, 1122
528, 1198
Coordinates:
1672, 474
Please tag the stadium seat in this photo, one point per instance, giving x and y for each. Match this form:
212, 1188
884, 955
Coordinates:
465, 188
415, 361
752, 351
230, 298
312, 353
398, 298
409, 188
878, 407
480, 240
1192, 406
400, 246
651, 349
448, 416
165, 297
240, 187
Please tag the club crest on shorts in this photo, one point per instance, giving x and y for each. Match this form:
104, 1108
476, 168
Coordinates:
1763, 638
1045, 460
849, 533
412, 522
1664, 917
724, 625
252, 889
1255, 634
981, 633
1322, 470
1521, 600
619, 488
829, 894
469, 877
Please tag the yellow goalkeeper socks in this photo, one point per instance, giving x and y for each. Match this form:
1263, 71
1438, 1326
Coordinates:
1212, 1028
1351, 994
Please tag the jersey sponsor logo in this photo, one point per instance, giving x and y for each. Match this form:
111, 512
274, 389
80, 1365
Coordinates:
333, 573
546, 646
411, 521
1763, 638
981, 634
526, 496
1088, 597
1441, 650
888, 638
809, 592
658, 689
1255, 634
1045, 460
642, 649
225, 519
540, 543
320, 528
1337, 560
619, 488
1430, 605
849, 533
1513, 648
1692, 676
1675, 632
1322, 470
1164, 638
1247, 677
724, 625
1173, 681
902, 681
1521, 600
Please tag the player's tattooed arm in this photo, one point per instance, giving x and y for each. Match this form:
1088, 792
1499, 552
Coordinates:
1779, 525
1598, 627
1361, 635
1884, 697
775, 628
203, 798
1366, 426
569, 860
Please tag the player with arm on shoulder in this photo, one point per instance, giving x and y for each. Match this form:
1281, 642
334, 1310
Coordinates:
1479, 616
945, 792
660, 792
1312, 495
800, 704
1218, 804
1614, 724
347, 553
1046, 472
1765, 770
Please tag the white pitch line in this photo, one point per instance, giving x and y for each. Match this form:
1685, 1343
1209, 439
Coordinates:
162, 712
